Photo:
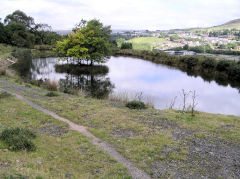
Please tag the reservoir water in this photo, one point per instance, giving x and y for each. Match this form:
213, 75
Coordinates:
154, 83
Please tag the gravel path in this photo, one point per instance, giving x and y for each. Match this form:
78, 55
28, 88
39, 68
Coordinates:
133, 171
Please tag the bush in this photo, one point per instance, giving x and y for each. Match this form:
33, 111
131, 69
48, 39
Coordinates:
136, 105
18, 139
4, 95
52, 94
126, 45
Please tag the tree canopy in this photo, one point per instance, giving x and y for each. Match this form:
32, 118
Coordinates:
89, 42
21, 30
21, 18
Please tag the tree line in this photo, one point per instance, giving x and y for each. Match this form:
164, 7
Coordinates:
19, 29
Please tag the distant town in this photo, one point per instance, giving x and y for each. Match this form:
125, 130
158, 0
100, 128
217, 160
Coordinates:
218, 40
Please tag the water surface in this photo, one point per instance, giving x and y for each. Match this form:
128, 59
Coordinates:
159, 84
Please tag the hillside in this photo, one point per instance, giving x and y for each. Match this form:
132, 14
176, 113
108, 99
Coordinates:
233, 24
229, 25
236, 21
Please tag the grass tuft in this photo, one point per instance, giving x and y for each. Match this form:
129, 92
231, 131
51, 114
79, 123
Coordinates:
52, 94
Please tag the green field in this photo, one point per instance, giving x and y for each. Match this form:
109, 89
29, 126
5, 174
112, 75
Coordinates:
145, 43
218, 28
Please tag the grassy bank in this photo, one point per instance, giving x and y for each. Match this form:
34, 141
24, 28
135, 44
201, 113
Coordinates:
59, 152
164, 143
5, 50
40, 51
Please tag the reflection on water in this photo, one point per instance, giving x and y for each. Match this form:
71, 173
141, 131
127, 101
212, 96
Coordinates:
94, 86
24, 63
158, 82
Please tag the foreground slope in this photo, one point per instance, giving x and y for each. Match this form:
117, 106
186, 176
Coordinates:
162, 143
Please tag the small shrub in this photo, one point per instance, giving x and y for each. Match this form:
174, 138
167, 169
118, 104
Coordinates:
18, 80
36, 82
52, 94
18, 139
126, 45
52, 85
136, 105
4, 95
28, 85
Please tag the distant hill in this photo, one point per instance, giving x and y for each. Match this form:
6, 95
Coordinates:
63, 32
229, 25
233, 24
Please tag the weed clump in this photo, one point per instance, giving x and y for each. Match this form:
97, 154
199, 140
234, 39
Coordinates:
136, 105
52, 94
18, 139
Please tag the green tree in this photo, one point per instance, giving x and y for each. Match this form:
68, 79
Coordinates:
174, 37
186, 47
2, 33
21, 30
89, 42
20, 17
18, 35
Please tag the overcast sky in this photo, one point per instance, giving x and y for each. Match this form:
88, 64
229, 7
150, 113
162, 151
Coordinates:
127, 14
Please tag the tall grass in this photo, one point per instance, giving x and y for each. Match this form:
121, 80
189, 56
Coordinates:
51, 85
125, 97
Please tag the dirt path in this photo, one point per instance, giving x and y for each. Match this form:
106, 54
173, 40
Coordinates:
133, 171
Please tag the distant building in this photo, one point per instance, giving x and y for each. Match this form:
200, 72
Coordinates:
180, 53
237, 48
157, 48
170, 52
189, 53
